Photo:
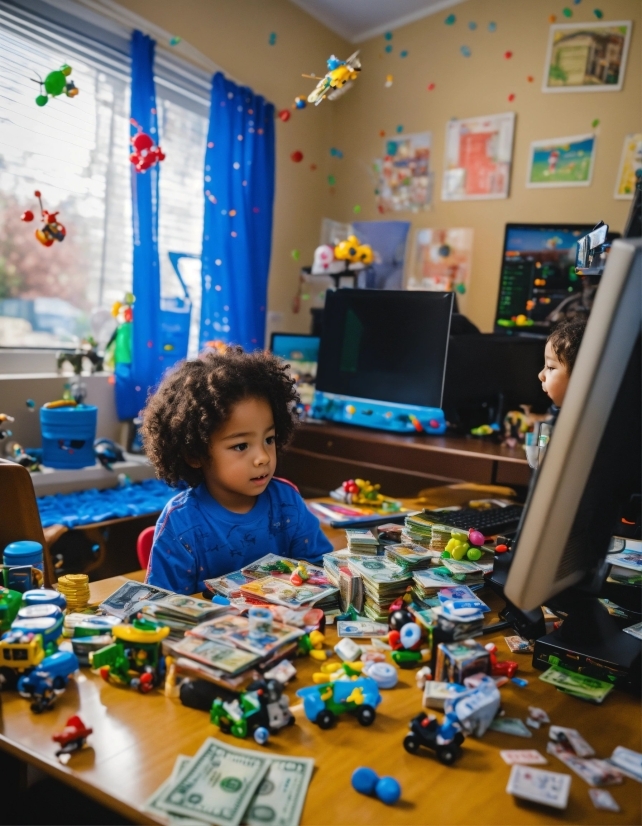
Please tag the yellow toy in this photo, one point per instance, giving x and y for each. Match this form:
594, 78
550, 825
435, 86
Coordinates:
354, 252
337, 79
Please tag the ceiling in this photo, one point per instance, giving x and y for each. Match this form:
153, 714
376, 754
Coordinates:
357, 20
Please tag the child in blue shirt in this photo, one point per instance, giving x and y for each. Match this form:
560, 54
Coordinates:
216, 423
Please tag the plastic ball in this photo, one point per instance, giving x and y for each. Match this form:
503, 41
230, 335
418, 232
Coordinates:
296, 157
473, 554
388, 790
55, 83
364, 780
261, 735
27, 215
41, 100
300, 103
284, 115
410, 634
476, 537
399, 618
142, 141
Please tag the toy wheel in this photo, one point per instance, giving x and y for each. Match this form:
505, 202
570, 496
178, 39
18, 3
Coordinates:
8, 679
447, 755
59, 683
291, 720
325, 719
37, 708
224, 725
411, 743
366, 715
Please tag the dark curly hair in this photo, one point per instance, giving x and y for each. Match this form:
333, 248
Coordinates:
566, 339
197, 398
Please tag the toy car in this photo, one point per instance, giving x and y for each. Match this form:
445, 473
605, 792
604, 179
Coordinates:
262, 709
44, 683
19, 653
323, 703
135, 658
445, 739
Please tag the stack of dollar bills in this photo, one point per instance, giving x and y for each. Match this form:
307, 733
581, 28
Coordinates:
418, 529
464, 571
426, 585
383, 581
362, 541
410, 557
350, 585
578, 685
225, 786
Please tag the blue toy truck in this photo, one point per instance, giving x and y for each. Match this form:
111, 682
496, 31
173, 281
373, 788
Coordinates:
323, 703
48, 679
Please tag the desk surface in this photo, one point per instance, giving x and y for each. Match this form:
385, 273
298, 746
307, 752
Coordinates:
137, 738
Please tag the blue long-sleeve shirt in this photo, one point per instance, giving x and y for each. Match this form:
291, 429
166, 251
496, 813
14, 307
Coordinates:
196, 538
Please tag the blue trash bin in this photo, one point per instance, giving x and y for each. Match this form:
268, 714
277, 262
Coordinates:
68, 435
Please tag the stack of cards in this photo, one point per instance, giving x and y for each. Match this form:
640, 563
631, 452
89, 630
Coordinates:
548, 788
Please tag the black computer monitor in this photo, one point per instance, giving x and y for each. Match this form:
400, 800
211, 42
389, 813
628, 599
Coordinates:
301, 352
538, 277
386, 345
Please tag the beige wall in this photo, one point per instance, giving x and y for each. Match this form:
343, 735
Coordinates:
235, 34
480, 85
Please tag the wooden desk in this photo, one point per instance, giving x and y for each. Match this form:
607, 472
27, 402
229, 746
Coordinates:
324, 455
136, 739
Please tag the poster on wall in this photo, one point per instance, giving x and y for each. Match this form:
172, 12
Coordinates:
442, 260
478, 158
587, 57
561, 162
630, 166
404, 178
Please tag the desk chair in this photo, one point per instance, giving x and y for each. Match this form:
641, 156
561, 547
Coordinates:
20, 518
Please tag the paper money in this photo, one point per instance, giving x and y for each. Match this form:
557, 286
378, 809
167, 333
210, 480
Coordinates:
511, 725
280, 797
216, 787
215, 654
131, 596
361, 628
189, 607
579, 685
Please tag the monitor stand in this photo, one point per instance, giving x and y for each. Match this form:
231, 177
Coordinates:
590, 642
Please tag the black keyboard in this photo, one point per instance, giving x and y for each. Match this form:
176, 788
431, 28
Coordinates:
489, 522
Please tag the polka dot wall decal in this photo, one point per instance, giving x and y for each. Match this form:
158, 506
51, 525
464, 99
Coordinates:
508, 55
511, 97
492, 26
465, 50
472, 25
388, 49
450, 20
430, 86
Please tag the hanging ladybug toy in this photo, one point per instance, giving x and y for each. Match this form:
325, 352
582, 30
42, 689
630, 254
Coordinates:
51, 230
145, 152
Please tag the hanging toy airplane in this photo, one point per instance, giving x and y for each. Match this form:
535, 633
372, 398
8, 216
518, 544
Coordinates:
52, 230
337, 80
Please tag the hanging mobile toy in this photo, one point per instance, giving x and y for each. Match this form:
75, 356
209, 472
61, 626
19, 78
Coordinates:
146, 154
56, 84
337, 80
52, 230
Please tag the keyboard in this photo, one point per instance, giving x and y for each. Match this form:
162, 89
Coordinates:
489, 522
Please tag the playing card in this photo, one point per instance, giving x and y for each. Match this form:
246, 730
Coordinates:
511, 725
572, 740
592, 771
523, 757
518, 645
628, 761
538, 714
549, 788
603, 800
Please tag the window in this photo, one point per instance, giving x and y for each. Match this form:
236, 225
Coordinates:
75, 151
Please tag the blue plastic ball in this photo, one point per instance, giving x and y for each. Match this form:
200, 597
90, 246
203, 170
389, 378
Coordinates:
364, 780
261, 735
388, 790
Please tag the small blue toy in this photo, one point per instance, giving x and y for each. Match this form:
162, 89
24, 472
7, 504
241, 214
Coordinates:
48, 680
324, 703
367, 781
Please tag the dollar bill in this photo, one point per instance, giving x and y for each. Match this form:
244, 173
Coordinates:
280, 797
216, 787
579, 685
361, 628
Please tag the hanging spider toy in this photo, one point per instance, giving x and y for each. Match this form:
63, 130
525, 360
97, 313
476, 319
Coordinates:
51, 230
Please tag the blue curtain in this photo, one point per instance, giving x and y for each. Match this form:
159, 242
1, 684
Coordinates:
133, 381
237, 229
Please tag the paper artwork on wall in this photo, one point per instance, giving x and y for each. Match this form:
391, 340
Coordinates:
630, 166
478, 158
561, 162
442, 260
404, 177
587, 57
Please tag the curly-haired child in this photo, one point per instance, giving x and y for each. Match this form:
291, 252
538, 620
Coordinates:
562, 347
216, 423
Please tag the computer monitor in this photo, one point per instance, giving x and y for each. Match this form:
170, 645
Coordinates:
591, 468
386, 345
538, 277
301, 352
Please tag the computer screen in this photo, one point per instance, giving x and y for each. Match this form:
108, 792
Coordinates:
592, 464
301, 352
385, 345
538, 279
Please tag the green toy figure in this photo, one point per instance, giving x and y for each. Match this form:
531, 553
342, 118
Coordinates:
56, 84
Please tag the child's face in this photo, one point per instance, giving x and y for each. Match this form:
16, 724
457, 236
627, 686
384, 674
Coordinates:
242, 455
554, 376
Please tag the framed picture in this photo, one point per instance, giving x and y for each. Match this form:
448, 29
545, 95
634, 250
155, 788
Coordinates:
478, 158
630, 166
587, 57
561, 162
442, 260
404, 178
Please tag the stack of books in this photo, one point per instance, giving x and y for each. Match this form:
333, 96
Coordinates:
383, 582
